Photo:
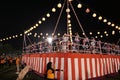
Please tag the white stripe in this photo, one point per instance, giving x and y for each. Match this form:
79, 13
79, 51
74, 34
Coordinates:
93, 67
88, 68
37, 62
104, 66
101, 66
98, 67
56, 66
34, 63
83, 68
69, 69
118, 64
62, 68
115, 65
76, 69
31, 61
47, 60
28, 61
52, 59
108, 66
41, 65
111, 66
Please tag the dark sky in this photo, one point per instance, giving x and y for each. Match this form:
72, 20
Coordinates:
17, 16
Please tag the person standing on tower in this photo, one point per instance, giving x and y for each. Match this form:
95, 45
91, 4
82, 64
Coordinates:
77, 40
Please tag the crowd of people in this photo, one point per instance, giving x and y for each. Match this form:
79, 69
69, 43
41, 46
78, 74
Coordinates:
77, 44
8, 61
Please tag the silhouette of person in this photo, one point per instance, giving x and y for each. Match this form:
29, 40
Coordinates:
50, 72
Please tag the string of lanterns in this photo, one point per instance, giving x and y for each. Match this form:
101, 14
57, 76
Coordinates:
39, 35
99, 17
98, 34
33, 27
11, 37
59, 5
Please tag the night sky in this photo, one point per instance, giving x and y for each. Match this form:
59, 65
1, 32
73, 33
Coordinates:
17, 16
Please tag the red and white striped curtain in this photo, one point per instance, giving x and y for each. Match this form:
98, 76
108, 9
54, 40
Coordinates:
75, 66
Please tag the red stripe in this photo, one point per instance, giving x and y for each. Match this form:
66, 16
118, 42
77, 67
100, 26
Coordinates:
43, 60
109, 59
116, 64
101, 61
100, 66
65, 69
105, 68
91, 69
96, 67
86, 72
59, 64
79, 66
73, 68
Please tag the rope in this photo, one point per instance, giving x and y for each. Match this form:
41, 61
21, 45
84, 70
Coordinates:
59, 18
24, 42
118, 41
29, 40
78, 20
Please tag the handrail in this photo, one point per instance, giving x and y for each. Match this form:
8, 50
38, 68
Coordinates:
62, 45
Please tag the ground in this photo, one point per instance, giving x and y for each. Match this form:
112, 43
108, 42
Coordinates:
9, 73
